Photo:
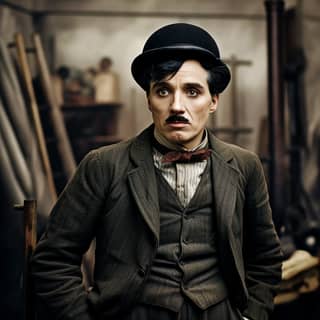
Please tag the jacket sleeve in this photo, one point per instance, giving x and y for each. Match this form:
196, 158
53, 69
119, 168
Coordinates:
57, 259
262, 253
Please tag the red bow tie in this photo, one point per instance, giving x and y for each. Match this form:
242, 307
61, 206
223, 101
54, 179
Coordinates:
186, 156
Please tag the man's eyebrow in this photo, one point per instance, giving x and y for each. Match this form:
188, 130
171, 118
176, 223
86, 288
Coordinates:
194, 85
160, 84
187, 84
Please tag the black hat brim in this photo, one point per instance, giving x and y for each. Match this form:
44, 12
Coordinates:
141, 63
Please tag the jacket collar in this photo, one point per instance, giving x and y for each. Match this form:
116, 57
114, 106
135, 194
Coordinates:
220, 148
142, 180
141, 148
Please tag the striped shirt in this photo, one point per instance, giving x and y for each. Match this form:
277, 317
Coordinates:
183, 178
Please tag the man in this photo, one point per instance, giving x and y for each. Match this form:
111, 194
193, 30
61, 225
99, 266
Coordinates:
182, 220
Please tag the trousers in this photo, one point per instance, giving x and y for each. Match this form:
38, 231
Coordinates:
189, 311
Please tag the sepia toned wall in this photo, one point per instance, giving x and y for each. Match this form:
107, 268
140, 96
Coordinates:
12, 21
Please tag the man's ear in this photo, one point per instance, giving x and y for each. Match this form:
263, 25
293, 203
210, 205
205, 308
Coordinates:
214, 103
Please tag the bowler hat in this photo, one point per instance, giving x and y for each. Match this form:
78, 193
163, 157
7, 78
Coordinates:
182, 40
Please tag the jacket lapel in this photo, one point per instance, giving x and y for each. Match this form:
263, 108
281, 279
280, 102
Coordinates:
225, 180
226, 183
142, 181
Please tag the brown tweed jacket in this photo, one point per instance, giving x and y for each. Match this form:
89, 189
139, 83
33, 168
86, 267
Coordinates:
113, 198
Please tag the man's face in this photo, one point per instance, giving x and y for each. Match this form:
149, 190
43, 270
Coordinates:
180, 105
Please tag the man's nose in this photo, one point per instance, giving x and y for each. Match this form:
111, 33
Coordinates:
177, 104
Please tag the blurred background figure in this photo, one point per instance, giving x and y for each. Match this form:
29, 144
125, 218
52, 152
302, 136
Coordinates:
59, 79
106, 83
88, 77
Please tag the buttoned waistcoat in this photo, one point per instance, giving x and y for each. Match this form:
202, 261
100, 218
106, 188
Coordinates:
113, 197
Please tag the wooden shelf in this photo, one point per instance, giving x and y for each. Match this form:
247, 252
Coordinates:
91, 125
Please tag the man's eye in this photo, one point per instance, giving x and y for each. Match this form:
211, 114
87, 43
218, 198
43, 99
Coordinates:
163, 92
192, 92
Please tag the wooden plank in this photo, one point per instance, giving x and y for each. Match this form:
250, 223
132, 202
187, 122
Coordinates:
27, 78
30, 231
29, 209
63, 142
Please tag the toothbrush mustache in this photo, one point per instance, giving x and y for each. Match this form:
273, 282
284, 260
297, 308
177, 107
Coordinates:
176, 118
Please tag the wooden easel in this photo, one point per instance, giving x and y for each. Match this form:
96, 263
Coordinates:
27, 79
63, 142
61, 138
234, 130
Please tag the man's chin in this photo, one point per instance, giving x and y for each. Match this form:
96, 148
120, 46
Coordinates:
178, 139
